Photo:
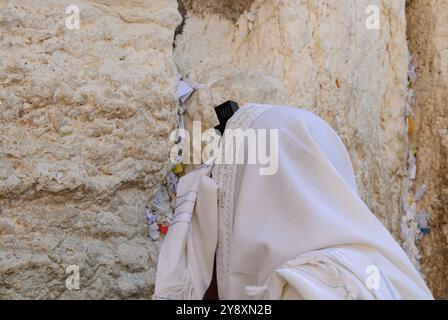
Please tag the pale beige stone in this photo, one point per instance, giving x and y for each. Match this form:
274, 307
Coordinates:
85, 117
318, 55
84, 124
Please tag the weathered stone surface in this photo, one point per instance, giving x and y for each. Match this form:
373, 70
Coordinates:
230, 9
318, 55
85, 117
428, 38
84, 122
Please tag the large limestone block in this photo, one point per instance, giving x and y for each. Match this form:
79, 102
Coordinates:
428, 38
318, 55
84, 122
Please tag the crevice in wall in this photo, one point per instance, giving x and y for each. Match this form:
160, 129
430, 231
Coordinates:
411, 230
230, 9
183, 12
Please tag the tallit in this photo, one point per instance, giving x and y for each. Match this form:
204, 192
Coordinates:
301, 233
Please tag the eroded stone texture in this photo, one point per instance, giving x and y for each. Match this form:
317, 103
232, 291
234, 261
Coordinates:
84, 123
428, 39
318, 55
85, 116
231, 9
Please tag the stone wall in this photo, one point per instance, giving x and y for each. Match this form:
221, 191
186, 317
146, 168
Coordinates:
428, 42
84, 122
85, 116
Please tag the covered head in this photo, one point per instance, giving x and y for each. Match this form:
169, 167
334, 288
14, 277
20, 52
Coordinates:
302, 231
283, 218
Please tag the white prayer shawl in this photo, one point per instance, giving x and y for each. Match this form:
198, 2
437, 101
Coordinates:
302, 233
185, 265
